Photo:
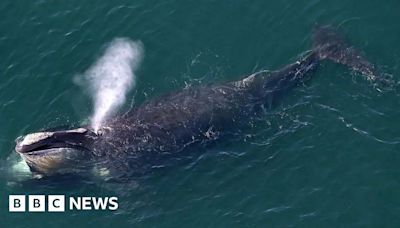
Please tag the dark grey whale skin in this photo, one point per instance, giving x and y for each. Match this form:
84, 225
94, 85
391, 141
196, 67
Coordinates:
172, 122
168, 124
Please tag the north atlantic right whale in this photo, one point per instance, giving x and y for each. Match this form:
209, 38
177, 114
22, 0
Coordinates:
170, 123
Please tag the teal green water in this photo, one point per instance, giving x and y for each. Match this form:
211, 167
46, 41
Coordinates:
327, 156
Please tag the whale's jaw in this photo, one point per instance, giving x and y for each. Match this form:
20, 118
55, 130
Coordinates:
49, 152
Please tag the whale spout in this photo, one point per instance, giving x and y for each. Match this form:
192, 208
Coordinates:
194, 115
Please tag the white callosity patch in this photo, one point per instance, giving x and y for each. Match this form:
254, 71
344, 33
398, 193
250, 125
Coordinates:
35, 137
38, 136
78, 130
112, 76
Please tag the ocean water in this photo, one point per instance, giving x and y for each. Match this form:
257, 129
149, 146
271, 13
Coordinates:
326, 156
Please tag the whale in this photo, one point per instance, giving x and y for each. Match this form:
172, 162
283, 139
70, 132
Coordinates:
169, 124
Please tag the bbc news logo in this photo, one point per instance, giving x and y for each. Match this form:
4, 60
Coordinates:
57, 203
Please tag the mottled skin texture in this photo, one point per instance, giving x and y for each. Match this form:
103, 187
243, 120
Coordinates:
168, 124
196, 114
329, 44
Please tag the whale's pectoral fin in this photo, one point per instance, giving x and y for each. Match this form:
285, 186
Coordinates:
329, 44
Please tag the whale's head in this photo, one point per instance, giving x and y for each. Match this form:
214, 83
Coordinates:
51, 152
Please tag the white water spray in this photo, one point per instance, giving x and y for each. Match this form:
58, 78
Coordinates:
112, 76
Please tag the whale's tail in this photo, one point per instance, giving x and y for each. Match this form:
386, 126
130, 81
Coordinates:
329, 44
